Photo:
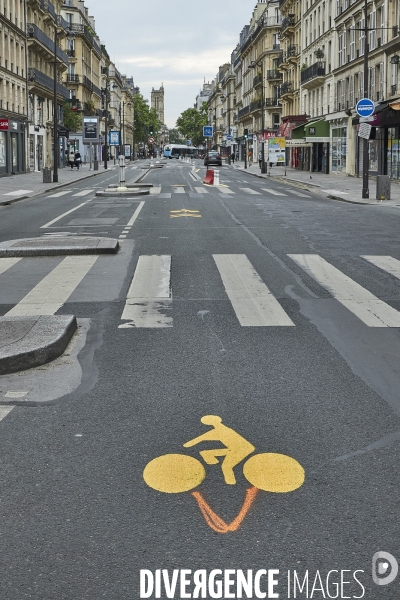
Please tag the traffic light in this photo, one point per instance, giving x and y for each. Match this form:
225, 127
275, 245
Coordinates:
151, 129
246, 134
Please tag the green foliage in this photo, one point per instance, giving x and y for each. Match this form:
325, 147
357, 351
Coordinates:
175, 137
72, 118
89, 109
144, 116
191, 123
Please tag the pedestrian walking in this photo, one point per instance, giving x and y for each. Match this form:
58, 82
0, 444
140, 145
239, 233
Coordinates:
233, 157
260, 159
71, 159
78, 160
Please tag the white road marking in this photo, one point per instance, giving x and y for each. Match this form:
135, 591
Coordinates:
252, 301
335, 192
54, 290
83, 193
224, 190
386, 263
364, 305
178, 190
16, 394
7, 263
274, 192
59, 194
298, 193
201, 190
249, 191
18, 192
63, 215
5, 410
135, 215
149, 295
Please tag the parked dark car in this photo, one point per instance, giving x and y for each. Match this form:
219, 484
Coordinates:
213, 158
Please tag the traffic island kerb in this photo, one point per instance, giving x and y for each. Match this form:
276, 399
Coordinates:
59, 246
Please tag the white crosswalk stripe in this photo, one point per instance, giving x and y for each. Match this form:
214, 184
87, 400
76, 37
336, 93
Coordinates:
249, 191
224, 190
201, 190
149, 296
274, 192
178, 190
252, 301
54, 290
59, 194
386, 263
300, 194
362, 303
7, 263
82, 193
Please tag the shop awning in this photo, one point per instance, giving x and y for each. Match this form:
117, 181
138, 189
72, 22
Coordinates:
317, 129
298, 132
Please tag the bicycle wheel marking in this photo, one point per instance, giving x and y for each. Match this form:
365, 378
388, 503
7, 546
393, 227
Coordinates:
269, 471
174, 473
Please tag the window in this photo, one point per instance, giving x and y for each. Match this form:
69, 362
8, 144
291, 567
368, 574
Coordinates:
361, 40
352, 32
351, 90
372, 31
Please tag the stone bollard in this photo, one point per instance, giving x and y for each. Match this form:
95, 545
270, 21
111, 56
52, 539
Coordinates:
383, 187
216, 177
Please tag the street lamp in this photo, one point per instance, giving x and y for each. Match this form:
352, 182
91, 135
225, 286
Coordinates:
223, 98
123, 125
253, 65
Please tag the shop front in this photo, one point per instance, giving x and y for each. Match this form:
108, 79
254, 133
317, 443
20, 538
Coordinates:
12, 146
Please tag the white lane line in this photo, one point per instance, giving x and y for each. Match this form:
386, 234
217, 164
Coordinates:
149, 296
55, 289
7, 263
59, 194
274, 192
63, 215
364, 305
386, 263
135, 215
83, 193
5, 410
249, 191
252, 301
201, 190
298, 193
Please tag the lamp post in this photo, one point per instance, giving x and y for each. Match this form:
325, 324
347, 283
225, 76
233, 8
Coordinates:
223, 98
253, 65
123, 125
55, 105
365, 188
106, 123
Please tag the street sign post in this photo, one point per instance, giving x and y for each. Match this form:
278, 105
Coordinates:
150, 140
365, 107
208, 131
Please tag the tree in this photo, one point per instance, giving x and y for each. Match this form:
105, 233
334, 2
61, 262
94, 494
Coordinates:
72, 119
191, 123
175, 137
144, 117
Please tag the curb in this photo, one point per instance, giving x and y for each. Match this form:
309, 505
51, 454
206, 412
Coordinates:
34, 341
58, 247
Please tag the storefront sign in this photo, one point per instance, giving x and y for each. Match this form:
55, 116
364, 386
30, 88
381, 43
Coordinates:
3, 124
114, 137
317, 139
364, 131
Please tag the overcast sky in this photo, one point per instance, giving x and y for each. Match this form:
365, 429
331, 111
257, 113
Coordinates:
177, 42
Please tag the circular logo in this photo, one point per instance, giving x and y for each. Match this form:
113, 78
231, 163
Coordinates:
365, 107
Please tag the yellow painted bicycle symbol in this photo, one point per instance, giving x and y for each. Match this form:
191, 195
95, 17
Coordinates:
269, 472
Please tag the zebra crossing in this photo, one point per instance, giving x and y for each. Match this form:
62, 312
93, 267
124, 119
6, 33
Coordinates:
149, 300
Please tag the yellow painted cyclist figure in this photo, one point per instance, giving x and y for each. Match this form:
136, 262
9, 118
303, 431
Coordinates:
237, 447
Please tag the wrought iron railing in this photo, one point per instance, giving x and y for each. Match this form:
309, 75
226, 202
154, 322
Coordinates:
315, 70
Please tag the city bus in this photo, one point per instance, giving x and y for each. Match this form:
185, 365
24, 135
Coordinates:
177, 150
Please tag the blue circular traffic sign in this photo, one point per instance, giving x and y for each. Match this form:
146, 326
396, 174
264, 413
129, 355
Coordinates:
365, 107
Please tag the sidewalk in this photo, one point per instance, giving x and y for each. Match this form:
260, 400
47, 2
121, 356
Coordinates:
28, 185
336, 187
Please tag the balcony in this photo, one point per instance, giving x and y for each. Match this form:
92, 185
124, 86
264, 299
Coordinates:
276, 47
313, 76
43, 43
272, 103
70, 53
38, 80
68, 3
274, 74
255, 105
243, 111
288, 24
257, 80
80, 29
292, 52
72, 78
287, 89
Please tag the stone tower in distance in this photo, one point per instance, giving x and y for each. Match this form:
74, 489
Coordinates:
157, 102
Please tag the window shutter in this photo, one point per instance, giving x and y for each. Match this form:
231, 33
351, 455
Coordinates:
381, 81
351, 90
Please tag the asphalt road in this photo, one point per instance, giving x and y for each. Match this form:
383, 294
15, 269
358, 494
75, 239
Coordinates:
239, 302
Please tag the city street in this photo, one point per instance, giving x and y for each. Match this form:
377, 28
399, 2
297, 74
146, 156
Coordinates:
271, 307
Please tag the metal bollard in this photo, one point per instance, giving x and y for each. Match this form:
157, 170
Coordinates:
121, 160
216, 177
